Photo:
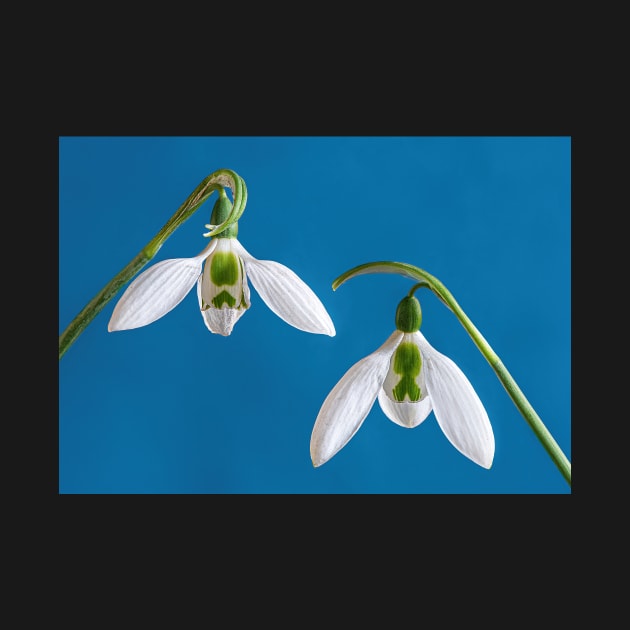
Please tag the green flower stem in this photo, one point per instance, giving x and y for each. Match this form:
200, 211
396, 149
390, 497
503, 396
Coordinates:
214, 181
515, 393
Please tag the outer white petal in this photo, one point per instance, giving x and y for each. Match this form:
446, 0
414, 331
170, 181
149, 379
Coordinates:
350, 401
156, 291
406, 414
287, 295
458, 410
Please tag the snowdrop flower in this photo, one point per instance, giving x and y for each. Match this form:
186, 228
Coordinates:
221, 272
410, 378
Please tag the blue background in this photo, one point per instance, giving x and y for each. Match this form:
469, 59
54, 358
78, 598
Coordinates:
172, 408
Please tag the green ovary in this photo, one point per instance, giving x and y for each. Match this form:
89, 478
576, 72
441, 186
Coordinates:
224, 269
407, 363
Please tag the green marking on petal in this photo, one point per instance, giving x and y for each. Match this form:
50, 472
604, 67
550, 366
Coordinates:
223, 298
224, 269
407, 363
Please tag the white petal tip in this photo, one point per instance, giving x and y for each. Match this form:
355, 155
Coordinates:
318, 328
317, 462
483, 460
318, 457
313, 330
326, 332
115, 324
112, 327
324, 328
487, 465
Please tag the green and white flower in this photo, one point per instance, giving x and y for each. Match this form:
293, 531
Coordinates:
410, 378
221, 272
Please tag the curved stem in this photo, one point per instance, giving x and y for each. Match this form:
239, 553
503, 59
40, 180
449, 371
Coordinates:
417, 286
214, 181
515, 393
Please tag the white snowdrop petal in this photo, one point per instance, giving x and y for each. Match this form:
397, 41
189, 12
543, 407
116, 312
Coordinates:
349, 402
457, 408
155, 292
287, 295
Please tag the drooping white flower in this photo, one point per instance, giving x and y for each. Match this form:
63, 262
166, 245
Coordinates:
410, 379
221, 272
